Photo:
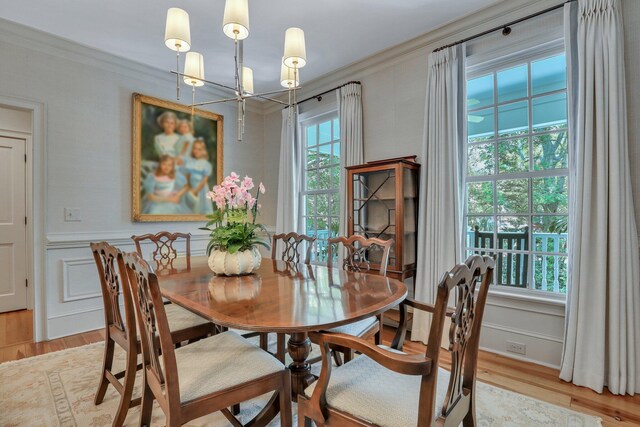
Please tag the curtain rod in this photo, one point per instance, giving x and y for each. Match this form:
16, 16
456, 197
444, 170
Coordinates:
506, 30
319, 96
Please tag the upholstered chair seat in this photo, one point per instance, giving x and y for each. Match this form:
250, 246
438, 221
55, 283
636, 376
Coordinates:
377, 395
356, 328
180, 318
221, 362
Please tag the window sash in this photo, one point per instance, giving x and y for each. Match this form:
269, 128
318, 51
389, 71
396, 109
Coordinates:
494, 67
334, 189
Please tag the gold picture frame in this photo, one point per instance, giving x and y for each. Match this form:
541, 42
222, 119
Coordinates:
173, 167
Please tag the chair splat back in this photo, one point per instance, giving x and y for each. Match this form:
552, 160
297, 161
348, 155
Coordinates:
464, 330
111, 271
358, 253
291, 247
164, 253
155, 335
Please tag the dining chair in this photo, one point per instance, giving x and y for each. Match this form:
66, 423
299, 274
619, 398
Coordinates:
207, 376
121, 330
357, 257
165, 253
385, 386
292, 246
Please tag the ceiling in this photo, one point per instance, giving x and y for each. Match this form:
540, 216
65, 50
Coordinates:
337, 32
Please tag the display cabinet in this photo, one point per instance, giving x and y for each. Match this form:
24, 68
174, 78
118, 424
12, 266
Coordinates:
382, 201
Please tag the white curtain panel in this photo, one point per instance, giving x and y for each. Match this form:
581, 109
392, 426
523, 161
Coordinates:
602, 337
351, 141
440, 221
288, 174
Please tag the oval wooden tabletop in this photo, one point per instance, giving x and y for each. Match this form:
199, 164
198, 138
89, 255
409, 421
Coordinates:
282, 297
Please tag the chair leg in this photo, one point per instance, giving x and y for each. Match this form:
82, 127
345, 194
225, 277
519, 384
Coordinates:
336, 357
348, 355
106, 366
127, 389
286, 418
235, 409
281, 347
264, 341
147, 405
303, 421
378, 335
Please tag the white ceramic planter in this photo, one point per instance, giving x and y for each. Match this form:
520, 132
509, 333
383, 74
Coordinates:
242, 262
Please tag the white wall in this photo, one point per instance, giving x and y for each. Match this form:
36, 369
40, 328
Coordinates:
394, 85
87, 159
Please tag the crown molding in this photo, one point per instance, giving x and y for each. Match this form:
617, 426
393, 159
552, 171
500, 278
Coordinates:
450, 32
30, 38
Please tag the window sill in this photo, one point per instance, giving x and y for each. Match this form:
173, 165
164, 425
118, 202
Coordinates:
558, 301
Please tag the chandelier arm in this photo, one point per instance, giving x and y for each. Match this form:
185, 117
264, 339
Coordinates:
272, 99
217, 101
252, 95
206, 81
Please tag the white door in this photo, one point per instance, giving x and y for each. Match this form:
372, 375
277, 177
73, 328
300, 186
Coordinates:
13, 263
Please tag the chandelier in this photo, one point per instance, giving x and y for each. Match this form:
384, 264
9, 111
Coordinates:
235, 25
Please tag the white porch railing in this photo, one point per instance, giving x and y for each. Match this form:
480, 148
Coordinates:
549, 256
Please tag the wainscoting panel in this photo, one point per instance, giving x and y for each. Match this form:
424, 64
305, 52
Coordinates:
538, 326
73, 295
79, 279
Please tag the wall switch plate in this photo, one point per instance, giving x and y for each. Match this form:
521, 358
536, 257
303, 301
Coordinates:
516, 347
72, 214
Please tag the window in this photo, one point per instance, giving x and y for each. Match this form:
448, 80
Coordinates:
321, 181
517, 169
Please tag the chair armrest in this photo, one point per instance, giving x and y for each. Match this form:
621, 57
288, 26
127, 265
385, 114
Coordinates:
411, 364
401, 332
408, 364
426, 307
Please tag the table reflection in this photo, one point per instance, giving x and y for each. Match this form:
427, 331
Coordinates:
234, 288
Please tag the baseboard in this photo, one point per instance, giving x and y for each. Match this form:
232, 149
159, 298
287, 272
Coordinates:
521, 358
63, 325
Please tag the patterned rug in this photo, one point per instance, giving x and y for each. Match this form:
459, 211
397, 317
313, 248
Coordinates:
57, 389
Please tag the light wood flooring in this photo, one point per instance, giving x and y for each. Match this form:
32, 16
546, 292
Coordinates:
16, 342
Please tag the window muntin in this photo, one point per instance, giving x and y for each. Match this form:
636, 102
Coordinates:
516, 183
321, 182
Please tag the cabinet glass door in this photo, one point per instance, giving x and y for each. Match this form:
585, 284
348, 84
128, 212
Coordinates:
374, 209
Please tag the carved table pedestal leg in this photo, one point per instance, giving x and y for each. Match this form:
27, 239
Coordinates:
299, 348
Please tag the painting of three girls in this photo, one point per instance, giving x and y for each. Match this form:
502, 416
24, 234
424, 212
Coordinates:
178, 163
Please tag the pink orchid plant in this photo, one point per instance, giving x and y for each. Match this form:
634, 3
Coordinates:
230, 227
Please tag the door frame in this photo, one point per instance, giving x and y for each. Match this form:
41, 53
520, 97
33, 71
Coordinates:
36, 206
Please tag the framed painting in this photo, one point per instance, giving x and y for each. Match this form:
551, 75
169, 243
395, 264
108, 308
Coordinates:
177, 158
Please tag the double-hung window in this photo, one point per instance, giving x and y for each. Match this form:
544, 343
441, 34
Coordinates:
516, 181
321, 181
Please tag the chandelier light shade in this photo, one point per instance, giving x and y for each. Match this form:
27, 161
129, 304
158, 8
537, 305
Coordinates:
177, 34
236, 19
287, 78
235, 25
295, 52
194, 69
247, 80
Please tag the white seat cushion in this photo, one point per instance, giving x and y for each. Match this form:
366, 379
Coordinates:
180, 318
378, 395
355, 328
220, 362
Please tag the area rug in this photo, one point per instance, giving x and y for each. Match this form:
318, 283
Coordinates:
57, 389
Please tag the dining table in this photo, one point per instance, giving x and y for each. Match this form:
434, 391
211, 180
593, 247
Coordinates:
282, 297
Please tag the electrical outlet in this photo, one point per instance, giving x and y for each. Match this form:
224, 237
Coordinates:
72, 214
516, 347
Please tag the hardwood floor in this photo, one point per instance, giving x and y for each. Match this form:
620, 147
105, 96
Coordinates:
16, 342
16, 337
